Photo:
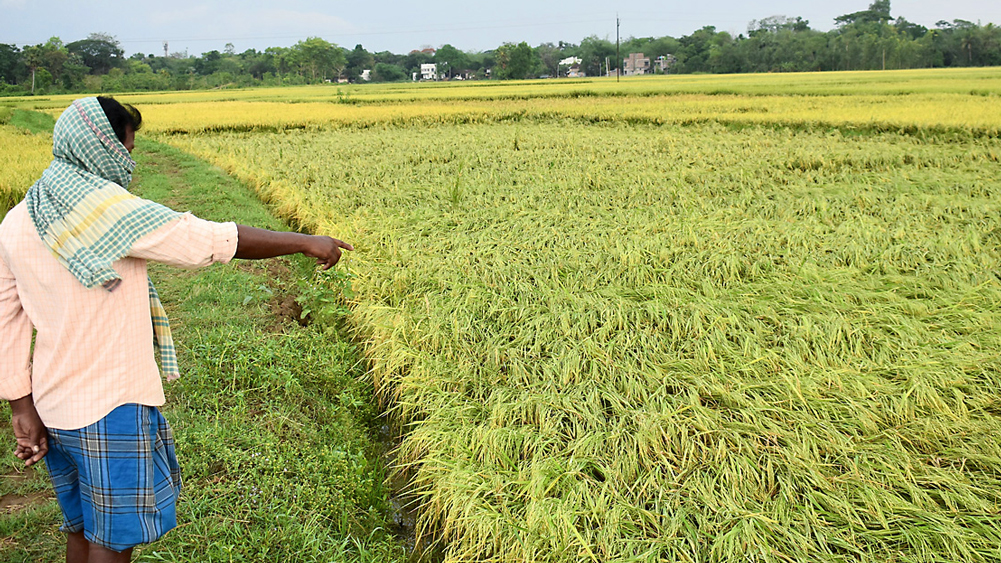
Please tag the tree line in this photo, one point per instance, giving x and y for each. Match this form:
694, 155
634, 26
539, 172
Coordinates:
869, 39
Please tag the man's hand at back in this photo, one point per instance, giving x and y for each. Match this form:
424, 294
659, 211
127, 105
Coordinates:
32, 437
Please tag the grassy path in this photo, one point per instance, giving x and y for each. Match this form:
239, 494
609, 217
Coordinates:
272, 421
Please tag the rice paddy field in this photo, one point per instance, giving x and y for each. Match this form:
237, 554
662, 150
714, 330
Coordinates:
748, 318
23, 157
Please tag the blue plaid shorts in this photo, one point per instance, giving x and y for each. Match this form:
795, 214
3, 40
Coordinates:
117, 480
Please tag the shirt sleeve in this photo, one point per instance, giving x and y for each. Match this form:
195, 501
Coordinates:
188, 242
15, 340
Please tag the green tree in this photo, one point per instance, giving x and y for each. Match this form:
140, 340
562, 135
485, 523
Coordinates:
550, 56
56, 55
695, 50
781, 44
450, 60
257, 64
413, 61
319, 58
50, 55
42, 80
11, 64
34, 58
990, 45
910, 29
878, 13
516, 61
100, 51
230, 64
385, 72
281, 58
389, 58
357, 61
593, 53
776, 24
208, 62
73, 72
722, 56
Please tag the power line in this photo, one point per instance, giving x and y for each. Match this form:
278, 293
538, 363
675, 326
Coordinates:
476, 26
370, 33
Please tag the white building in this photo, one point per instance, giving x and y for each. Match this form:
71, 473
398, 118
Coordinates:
570, 67
429, 71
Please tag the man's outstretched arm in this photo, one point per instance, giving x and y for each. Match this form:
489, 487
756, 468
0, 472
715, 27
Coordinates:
255, 244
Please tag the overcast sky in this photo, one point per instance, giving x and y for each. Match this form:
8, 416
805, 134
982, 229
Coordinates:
200, 26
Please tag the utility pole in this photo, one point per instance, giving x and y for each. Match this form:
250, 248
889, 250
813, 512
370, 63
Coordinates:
165, 49
618, 58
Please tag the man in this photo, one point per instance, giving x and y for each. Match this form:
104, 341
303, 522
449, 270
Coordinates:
73, 269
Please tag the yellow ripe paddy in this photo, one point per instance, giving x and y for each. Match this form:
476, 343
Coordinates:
22, 159
975, 114
747, 318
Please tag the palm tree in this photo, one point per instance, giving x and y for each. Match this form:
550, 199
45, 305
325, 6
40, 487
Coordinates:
34, 58
967, 43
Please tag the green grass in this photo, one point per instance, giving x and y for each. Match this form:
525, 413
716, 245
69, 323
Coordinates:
272, 422
33, 121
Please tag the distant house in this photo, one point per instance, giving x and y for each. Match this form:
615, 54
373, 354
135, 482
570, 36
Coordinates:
429, 71
664, 62
635, 64
570, 67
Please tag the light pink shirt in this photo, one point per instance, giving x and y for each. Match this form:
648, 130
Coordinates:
93, 348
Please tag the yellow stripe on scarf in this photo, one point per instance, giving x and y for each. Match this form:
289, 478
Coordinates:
96, 212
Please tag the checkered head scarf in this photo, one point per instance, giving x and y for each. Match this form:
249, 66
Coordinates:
87, 218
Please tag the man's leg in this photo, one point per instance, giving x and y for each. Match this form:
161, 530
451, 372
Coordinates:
100, 554
77, 548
